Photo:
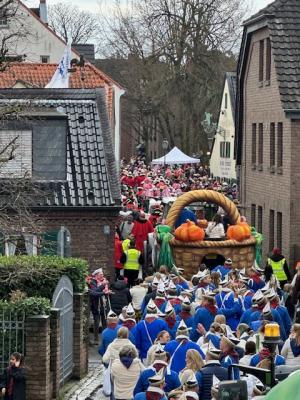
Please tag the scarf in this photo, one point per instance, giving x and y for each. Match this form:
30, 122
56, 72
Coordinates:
171, 321
158, 365
10, 386
256, 278
274, 304
159, 301
295, 347
211, 308
185, 315
264, 353
202, 285
259, 307
231, 353
126, 361
175, 301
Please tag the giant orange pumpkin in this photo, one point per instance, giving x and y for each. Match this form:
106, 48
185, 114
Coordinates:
239, 232
189, 232
203, 223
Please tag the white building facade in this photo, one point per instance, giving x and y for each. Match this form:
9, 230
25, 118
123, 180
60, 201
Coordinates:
222, 162
29, 34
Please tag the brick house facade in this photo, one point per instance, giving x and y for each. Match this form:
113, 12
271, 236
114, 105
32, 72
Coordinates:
73, 164
268, 126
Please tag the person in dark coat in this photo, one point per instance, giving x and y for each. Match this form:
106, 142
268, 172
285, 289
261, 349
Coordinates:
120, 296
13, 385
211, 368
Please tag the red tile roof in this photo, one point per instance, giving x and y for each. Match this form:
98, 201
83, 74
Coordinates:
38, 75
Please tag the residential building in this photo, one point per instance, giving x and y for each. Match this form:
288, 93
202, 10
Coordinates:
30, 35
268, 125
65, 147
222, 161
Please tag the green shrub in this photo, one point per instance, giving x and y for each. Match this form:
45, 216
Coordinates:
28, 306
38, 276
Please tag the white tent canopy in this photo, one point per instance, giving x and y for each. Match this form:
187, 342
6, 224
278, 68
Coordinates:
175, 156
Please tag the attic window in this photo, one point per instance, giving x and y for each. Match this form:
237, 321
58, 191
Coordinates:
3, 22
81, 119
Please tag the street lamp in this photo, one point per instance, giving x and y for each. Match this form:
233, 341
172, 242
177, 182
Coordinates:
165, 146
271, 340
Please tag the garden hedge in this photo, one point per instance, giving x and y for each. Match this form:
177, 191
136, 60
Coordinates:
38, 276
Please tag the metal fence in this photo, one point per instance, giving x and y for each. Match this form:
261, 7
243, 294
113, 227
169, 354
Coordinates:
12, 336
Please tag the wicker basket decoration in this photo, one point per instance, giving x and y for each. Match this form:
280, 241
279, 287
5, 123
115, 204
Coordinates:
189, 255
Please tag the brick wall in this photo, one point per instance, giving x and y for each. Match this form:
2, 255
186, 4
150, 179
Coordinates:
295, 194
88, 240
259, 185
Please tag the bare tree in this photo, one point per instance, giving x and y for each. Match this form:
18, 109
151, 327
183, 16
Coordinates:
71, 23
14, 31
180, 51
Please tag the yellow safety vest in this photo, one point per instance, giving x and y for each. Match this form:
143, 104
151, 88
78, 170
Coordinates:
132, 259
278, 270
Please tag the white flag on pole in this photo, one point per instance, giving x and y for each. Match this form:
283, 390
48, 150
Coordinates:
60, 79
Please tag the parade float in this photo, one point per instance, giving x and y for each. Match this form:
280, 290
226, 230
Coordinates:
189, 246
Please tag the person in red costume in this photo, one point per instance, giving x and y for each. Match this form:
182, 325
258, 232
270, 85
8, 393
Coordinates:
142, 227
118, 254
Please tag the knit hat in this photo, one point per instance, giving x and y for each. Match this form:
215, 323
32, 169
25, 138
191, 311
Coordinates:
182, 331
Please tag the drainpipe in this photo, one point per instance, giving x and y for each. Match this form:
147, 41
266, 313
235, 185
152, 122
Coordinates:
117, 140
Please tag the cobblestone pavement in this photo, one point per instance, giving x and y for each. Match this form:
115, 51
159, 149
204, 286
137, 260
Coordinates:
90, 387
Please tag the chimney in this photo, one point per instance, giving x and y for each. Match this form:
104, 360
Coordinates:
43, 11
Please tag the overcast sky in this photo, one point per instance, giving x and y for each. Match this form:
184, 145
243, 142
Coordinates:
93, 5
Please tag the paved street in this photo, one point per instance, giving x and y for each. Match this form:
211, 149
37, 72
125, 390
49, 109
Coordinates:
90, 387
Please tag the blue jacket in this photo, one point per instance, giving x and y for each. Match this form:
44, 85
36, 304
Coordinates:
250, 317
108, 336
230, 307
142, 340
184, 215
286, 320
178, 360
204, 317
142, 396
171, 378
279, 360
228, 360
205, 378
222, 270
246, 301
255, 286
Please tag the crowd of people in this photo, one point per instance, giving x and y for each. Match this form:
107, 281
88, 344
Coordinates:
168, 336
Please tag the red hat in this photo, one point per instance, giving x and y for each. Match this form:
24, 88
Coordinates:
276, 251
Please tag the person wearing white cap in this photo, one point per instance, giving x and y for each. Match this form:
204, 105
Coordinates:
224, 269
282, 311
211, 368
155, 390
160, 364
146, 330
254, 315
179, 347
185, 313
230, 305
129, 319
171, 319
151, 294
110, 332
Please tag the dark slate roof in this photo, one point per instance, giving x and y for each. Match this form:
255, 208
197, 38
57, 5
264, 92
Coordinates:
92, 179
231, 79
86, 50
282, 18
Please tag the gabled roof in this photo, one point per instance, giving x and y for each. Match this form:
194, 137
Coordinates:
282, 18
91, 170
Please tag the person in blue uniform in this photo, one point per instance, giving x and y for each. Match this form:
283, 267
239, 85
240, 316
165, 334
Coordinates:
282, 311
155, 390
160, 363
229, 356
185, 313
230, 306
146, 330
204, 315
266, 354
224, 269
211, 368
171, 320
186, 214
255, 281
179, 347
110, 332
